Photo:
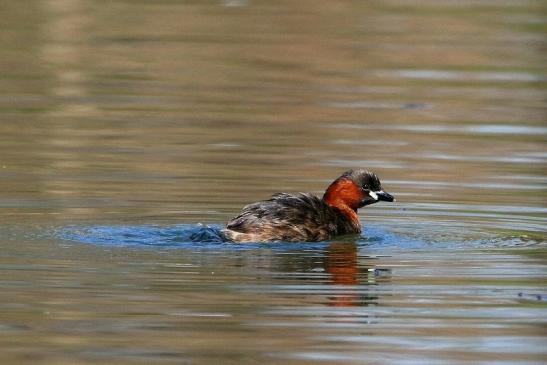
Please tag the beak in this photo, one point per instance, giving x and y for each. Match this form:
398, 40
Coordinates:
382, 195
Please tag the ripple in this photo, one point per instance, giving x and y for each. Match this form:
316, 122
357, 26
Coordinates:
414, 234
450, 185
146, 235
536, 159
369, 163
201, 236
377, 105
486, 129
449, 75
370, 142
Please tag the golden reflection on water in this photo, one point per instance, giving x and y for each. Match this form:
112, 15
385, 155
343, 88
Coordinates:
342, 264
158, 107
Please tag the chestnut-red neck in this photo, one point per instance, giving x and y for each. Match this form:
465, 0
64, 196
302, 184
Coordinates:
344, 195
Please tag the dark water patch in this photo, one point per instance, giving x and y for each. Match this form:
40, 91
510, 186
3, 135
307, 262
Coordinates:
533, 296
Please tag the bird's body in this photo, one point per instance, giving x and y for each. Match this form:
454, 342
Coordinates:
306, 217
289, 217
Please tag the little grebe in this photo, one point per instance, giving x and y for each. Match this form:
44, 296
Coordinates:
305, 217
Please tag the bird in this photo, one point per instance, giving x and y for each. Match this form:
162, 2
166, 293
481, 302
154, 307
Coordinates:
304, 217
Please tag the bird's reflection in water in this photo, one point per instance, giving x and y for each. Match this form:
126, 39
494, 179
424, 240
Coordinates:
354, 277
340, 274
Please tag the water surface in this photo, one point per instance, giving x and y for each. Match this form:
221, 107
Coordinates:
130, 132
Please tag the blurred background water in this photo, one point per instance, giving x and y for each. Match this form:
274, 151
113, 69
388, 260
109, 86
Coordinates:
124, 125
